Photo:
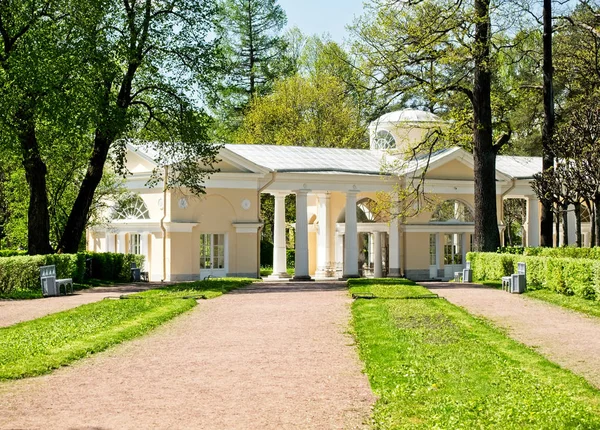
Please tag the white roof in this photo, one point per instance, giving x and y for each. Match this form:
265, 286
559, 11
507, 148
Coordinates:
407, 115
311, 159
519, 167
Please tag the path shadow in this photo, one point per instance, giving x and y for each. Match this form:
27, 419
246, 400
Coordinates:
452, 285
291, 287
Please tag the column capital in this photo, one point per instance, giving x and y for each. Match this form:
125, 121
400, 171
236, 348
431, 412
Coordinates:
352, 192
303, 191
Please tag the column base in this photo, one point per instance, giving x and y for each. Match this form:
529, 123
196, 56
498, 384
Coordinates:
302, 279
394, 273
278, 276
346, 277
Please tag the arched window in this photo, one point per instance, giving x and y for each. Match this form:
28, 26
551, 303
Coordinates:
452, 211
366, 211
131, 206
384, 140
585, 214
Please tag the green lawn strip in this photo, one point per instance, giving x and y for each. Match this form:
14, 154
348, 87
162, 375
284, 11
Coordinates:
21, 295
434, 366
209, 288
578, 304
38, 346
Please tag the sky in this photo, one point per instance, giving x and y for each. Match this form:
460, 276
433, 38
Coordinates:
322, 16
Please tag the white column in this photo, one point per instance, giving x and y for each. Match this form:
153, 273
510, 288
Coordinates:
533, 221
339, 252
323, 237
351, 242
301, 270
121, 243
110, 242
463, 248
394, 271
144, 250
378, 270
279, 248
572, 225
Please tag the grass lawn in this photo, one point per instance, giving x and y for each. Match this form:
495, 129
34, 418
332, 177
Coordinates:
434, 366
574, 303
578, 304
39, 346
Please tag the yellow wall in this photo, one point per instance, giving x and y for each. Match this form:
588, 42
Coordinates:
452, 170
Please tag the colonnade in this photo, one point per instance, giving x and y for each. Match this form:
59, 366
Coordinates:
346, 244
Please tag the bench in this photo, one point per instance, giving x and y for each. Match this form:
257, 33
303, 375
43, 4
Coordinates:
50, 285
517, 282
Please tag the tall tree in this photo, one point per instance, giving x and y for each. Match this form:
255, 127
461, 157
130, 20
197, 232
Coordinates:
548, 129
254, 49
318, 106
420, 51
91, 77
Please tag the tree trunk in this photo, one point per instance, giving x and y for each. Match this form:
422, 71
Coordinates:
564, 214
557, 226
38, 218
597, 218
593, 233
577, 224
69, 242
487, 237
548, 129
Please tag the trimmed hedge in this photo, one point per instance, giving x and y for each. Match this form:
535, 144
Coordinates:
569, 276
21, 273
11, 252
562, 252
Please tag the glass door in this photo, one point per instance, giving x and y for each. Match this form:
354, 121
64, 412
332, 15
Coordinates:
453, 254
212, 256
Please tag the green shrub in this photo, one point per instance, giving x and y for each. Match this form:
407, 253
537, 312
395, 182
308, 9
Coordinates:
11, 252
290, 258
568, 276
22, 273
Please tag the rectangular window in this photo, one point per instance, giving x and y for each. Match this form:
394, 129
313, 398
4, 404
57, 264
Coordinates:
135, 243
432, 249
212, 251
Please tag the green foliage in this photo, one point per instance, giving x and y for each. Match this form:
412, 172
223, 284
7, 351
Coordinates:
432, 365
290, 257
266, 252
11, 252
21, 274
305, 111
113, 266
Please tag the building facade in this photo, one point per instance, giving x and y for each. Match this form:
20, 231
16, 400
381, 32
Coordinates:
341, 229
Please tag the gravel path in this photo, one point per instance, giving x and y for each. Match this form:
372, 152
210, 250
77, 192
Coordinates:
270, 356
15, 311
565, 337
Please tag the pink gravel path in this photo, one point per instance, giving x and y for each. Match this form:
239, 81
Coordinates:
15, 311
271, 356
567, 338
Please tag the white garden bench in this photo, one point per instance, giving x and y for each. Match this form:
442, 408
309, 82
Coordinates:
517, 282
467, 273
50, 285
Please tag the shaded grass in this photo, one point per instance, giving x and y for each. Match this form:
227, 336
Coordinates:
578, 304
37, 294
208, 289
434, 366
36, 347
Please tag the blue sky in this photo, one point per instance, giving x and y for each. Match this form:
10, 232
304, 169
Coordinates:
322, 16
